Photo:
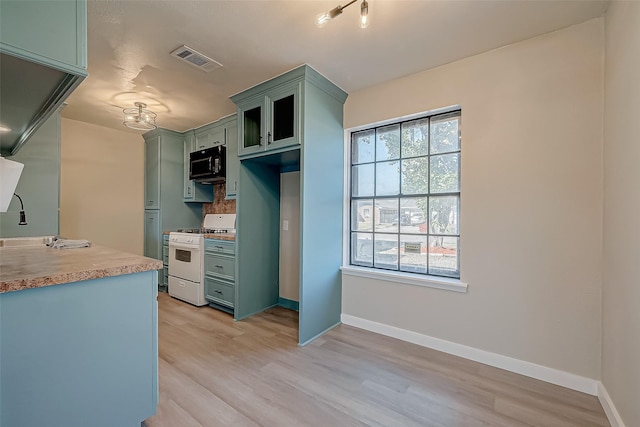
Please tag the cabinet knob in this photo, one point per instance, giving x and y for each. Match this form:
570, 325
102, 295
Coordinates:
218, 292
269, 138
218, 266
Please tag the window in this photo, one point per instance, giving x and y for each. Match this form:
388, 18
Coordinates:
405, 196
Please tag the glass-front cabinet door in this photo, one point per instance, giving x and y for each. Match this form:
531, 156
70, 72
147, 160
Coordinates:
271, 120
284, 114
252, 126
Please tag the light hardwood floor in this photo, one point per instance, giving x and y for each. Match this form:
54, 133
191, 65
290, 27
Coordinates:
217, 372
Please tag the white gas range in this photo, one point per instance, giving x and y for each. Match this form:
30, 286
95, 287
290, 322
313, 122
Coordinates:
186, 257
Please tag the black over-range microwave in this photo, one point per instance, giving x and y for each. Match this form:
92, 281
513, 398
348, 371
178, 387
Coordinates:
208, 165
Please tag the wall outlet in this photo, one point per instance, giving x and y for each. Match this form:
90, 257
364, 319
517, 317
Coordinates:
285, 225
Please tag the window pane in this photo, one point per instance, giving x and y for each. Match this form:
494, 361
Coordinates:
413, 253
415, 138
445, 173
445, 136
388, 143
362, 215
444, 214
413, 217
388, 178
362, 249
415, 176
386, 215
362, 180
363, 146
386, 251
443, 256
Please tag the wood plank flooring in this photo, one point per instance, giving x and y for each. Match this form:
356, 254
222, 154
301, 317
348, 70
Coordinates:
217, 372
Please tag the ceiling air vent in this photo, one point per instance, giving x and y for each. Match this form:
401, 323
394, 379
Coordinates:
195, 58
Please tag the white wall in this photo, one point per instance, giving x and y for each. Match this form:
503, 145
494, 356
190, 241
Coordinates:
290, 239
621, 283
531, 207
102, 186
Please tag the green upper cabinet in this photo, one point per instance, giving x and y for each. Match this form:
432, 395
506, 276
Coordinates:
152, 173
193, 192
43, 47
232, 161
209, 136
269, 120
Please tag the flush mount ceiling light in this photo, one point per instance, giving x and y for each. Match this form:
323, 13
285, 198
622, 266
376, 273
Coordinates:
138, 118
325, 17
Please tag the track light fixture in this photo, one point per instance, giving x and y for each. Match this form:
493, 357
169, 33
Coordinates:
325, 17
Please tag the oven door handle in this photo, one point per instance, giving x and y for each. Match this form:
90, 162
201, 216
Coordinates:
183, 246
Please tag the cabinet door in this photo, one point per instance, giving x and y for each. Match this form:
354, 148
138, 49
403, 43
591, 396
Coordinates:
152, 234
209, 136
188, 184
152, 173
284, 116
251, 116
233, 164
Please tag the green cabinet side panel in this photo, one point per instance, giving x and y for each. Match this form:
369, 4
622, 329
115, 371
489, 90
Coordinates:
257, 238
321, 172
39, 185
80, 354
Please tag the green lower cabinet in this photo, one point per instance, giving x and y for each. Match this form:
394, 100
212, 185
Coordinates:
219, 291
220, 274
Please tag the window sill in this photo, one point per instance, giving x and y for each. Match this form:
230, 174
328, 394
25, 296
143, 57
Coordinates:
454, 285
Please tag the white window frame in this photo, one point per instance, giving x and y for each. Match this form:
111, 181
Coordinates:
407, 278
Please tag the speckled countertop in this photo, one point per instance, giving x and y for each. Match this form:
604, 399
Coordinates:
39, 266
226, 236
231, 236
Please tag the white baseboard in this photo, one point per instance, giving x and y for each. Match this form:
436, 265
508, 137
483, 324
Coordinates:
550, 375
609, 408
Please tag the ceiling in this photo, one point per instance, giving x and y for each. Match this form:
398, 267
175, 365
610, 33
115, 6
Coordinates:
130, 41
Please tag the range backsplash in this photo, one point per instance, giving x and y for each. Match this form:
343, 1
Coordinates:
219, 205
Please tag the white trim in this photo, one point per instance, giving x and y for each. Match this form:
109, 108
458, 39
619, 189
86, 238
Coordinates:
609, 408
550, 375
445, 283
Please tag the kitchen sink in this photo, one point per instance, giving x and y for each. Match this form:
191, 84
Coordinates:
26, 241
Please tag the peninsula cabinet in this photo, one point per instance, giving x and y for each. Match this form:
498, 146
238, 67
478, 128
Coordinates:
193, 191
164, 189
310, 109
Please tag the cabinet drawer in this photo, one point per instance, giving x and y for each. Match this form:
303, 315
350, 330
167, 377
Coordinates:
219, 291
220, 246
222, 266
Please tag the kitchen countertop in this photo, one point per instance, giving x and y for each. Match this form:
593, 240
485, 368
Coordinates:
225, 236
220, 236
39, 266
